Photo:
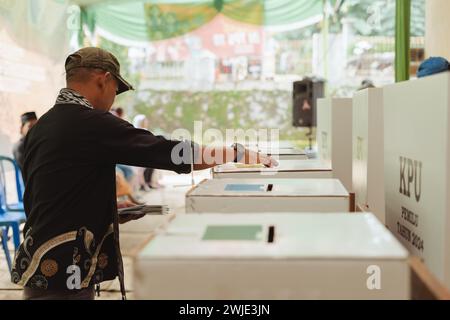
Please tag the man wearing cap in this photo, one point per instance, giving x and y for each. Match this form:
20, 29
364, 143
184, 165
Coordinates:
28, 120
71, 235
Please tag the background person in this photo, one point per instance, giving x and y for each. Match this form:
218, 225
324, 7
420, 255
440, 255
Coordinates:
28, 120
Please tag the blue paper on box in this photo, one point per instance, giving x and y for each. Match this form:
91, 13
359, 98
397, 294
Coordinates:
245, 187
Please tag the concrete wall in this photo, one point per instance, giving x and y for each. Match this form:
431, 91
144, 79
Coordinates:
29, 82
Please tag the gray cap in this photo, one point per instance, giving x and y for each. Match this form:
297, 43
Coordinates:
96, 58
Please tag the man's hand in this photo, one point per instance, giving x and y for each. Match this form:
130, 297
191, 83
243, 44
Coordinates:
268, 161
252, 157
125, 204
128, 217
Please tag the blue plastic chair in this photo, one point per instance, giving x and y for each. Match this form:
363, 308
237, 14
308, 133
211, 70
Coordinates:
11, 215
18, 206
4, 238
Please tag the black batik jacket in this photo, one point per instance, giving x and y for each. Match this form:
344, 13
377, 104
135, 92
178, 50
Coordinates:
71, 238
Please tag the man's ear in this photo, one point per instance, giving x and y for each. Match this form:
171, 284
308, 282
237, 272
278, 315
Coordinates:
109, 77
101, 80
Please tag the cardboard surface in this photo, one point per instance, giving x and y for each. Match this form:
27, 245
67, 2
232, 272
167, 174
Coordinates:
313, 256
334, 136
417, 168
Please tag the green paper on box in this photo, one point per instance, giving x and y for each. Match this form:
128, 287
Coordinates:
245, 187
234, 233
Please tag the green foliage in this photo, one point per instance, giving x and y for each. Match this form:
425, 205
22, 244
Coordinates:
170, 110
377, 17
120, 52
305, 33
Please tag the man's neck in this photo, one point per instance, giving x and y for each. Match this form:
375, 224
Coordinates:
85, 92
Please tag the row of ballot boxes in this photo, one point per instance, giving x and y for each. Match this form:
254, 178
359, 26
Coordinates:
397, 155
388, 146
272, 238
350, 141
401, 164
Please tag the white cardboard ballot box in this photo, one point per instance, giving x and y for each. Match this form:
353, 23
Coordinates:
368, 151
276, 144
417, 168
273, 256
287, 169
334, 136
270, 195
283, 154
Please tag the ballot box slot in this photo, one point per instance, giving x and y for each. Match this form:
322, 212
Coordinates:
271, 234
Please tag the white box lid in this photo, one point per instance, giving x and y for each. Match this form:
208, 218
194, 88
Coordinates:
280, 151
284, 166
281, 187
285, 144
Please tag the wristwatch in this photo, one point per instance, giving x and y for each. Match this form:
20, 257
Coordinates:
239, 150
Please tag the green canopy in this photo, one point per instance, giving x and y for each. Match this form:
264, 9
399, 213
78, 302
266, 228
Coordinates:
38, 25
147, 20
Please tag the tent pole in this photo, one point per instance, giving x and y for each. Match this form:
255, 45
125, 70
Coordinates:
325, 34
402, 39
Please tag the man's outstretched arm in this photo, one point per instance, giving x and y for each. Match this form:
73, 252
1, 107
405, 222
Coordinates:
120, 143
209, 157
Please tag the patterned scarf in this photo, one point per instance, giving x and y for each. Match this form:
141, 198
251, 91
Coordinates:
69, 96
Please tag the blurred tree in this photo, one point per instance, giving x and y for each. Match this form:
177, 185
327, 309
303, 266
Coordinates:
127, 99
377, 17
